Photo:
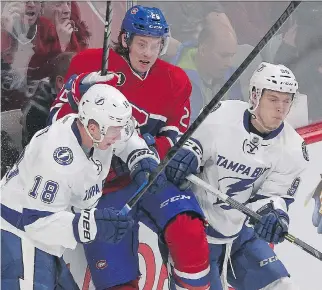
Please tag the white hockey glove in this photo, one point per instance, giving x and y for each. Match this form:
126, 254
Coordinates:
77, 85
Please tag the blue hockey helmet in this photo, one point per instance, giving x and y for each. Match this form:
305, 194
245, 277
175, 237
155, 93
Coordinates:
146, 21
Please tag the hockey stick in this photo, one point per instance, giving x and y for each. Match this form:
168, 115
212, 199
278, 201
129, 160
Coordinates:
207, 109
107, 35
130, 4
244, 209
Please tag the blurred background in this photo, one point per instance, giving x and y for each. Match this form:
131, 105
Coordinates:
38, 39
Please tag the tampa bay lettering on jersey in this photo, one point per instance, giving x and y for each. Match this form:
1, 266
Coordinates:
92, 191
237, 167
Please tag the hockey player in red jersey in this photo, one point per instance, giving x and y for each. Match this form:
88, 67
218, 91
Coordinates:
159, 94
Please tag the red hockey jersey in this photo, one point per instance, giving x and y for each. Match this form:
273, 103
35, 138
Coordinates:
160, 101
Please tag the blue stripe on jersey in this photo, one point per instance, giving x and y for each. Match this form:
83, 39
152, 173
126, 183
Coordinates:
12, 216
51, 115
20, 220
30, 216
76, 132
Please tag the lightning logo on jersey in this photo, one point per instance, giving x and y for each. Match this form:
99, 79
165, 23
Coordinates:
63, 155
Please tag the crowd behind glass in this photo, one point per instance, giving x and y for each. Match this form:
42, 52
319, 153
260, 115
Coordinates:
208, 39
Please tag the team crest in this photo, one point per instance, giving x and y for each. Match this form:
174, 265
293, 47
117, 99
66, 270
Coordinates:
305, 152
134, 10
121, 79
100, 101
101, 264
63, 156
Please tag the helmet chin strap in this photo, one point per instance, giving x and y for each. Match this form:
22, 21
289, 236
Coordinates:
260, 123
95, 141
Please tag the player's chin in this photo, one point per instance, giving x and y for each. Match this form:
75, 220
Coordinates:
143, 67
274, 125
105, 146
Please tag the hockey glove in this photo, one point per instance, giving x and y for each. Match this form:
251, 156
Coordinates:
142, 163
77, 85
273, 225
186, 161
317, 213
105, 225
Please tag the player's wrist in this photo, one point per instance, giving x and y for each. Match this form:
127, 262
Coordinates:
195, 147
138, 155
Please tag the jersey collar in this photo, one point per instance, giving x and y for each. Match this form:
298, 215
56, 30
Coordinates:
76, 132
271, 135
88, 152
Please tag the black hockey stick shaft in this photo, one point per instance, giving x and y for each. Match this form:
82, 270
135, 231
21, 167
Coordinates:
250, 213
217, 98
107, 36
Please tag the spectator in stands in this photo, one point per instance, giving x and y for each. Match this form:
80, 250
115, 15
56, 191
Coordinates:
186, 20
301, 51
29, 41
72, 33
252, 19
209, 64
36, 110
9, 152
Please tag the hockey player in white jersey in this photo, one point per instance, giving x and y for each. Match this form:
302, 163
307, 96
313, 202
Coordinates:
317, 213
62, 169
250, 153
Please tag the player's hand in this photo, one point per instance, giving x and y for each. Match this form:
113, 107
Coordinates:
105, 225
96, 78
79, 84
64, 29
317, 213
142, 163
273, 225
11, 16
186, 161
87, 80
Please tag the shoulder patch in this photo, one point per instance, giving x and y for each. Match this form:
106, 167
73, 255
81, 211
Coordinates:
63, 156
305, 152
294, 186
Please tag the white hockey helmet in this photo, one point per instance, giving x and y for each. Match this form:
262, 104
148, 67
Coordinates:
105, 105
272, 77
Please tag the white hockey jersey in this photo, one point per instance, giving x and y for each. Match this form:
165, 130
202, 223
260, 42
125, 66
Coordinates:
251, 169
53, 174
